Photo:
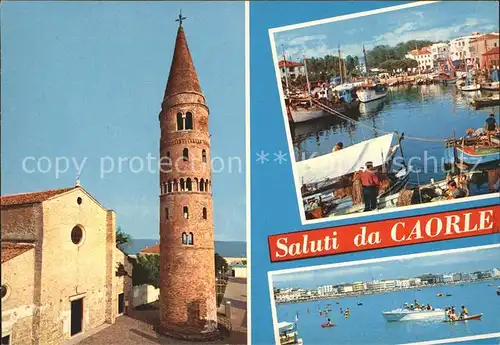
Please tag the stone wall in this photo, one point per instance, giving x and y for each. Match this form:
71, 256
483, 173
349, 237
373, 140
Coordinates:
20, 222
71, 270
123, 283
144, 294
18, 306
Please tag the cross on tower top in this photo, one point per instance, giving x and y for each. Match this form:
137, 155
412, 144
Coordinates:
181, 18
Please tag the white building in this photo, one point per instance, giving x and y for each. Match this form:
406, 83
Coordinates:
447, 278
423, 57
327, 290
292, 68
494, 272
415, 281
403, 283
460, 49
440, 52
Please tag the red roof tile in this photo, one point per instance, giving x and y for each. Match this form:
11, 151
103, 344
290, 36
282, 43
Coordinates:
11, 250
31, 198
492, 51
290, 64
484, 37
182, 77
154, 249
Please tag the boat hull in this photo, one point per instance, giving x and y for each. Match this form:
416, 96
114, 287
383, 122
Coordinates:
307, 115
471, 317
366, 96
474, 159
409, 315
467, 88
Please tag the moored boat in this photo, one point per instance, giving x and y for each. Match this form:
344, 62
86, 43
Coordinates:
493, 86
474, 150
371, 92
288, 334
466, 318
412, 315
481, 102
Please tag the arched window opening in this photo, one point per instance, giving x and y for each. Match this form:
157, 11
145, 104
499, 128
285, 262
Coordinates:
184, 238
176, 186
167, 216
185, 154
189, 120
185, 211
191, 239
202, 185
206, 186
204, 156
169, 187
189, 185
204, 213
196, 184
180, 121
182, 185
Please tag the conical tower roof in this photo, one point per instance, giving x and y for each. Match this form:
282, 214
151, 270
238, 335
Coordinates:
182, 77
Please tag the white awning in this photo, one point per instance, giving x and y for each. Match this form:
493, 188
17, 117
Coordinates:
345, 161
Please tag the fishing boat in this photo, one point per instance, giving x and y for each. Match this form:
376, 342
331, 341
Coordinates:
345, 93
326, 325
466, 318
288, 334
326, 178
492, 86
413, 315
371, 92
481, 102
470, 84
302, 109
474, 150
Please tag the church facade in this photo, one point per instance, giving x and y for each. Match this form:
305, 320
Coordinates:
62, 274
187, 264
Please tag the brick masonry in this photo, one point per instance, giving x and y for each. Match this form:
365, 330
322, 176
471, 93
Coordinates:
187, 272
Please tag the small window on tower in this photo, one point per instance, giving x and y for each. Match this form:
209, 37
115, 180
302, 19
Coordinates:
184, 238
189, 184
204, 156
185, 154
167, 216
169, 187
202, 184
189, 120
190, 239
185, 211
204, 213
183, 186
180, 122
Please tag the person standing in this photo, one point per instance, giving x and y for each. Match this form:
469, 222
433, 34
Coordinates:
490, 126
370, 184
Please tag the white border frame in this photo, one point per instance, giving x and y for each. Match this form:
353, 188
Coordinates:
360, 216
247, 188
271, 274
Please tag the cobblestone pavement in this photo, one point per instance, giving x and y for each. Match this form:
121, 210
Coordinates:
136, 329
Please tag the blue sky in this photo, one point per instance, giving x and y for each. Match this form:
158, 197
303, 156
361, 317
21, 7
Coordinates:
86, 79
477, 260
437, 22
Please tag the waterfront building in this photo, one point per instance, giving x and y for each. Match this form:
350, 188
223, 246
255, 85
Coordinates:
460, 52
389, 284
358, 286
431, 278
467, 276
292, 68
327, 290
345, 288
491, 59
187, 264
457, 277
447, 278
482, 44
415, 282
440, 54
495, 272
403, 283
423, 57
62, 274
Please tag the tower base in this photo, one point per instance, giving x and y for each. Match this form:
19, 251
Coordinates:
191, 334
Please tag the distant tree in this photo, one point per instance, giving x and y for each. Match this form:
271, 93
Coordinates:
220, 264
244, 261
122, 238
147, 270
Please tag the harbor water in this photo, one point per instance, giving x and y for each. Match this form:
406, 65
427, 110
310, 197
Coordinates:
430, 113
366, 325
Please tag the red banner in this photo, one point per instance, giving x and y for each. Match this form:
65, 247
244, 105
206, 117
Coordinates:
385, 234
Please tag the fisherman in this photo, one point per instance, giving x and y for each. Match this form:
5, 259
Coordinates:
446, 313
464, 312
347, 313
456, 192
338, 147
329, 323
370, 184
490, 126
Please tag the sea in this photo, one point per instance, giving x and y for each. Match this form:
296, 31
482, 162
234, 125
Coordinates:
427, 115
366, 325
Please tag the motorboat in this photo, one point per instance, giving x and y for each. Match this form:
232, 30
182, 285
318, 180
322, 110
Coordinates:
412, 315
371, 92
489, 101
288, 334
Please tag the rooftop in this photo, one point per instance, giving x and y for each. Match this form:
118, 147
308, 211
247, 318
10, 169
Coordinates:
492, 51
283, 63
11, 250
32, 197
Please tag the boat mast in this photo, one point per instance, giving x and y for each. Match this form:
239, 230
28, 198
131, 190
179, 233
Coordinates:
345, 72
307, 81
366, 64
340, 67
286, 71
